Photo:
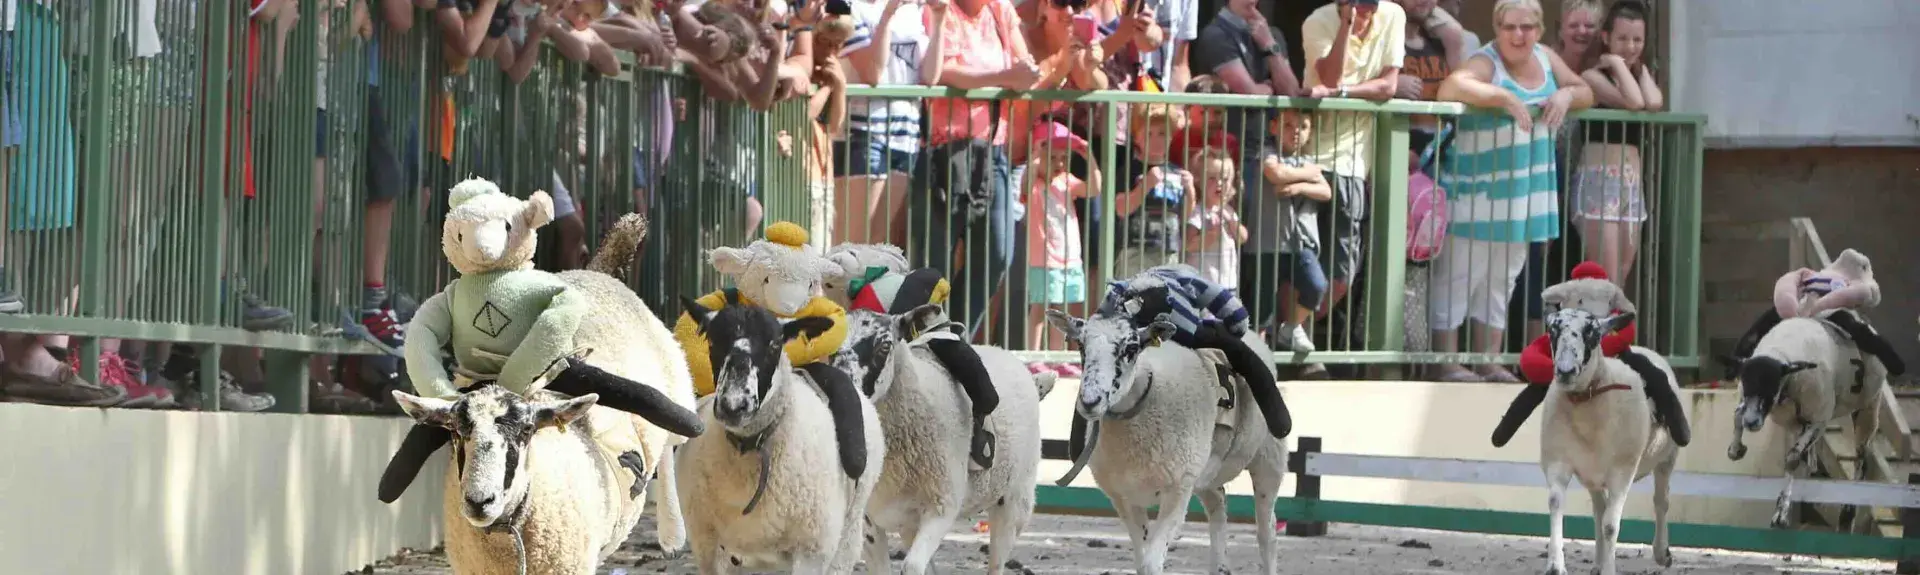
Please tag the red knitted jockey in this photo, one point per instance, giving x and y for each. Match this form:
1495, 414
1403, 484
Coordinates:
1536, 362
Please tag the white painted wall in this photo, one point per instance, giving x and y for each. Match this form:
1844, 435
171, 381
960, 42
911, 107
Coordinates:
1793, 73
131, 491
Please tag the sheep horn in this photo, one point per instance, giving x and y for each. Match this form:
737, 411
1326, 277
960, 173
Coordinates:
1086, 453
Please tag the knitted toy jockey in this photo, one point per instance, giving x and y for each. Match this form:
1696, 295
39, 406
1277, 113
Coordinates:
1839, 292
780, 273
506, 324
1590, 290
874, 277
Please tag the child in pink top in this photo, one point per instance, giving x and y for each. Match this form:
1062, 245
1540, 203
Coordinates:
1214, 231
1056, 270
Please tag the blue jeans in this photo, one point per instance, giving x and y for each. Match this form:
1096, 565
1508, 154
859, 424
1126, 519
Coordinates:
933, 230
868, 154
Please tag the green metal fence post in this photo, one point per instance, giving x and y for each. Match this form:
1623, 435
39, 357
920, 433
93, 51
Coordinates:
1386, 248
95, 219
212, 100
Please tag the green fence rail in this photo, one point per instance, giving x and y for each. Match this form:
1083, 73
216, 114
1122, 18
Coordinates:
158, 192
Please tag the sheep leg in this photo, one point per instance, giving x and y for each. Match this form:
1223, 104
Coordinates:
1267, 471
708, 558
1737, 449
933, 529
1558, 475
1215, 502
1165, 525
809, 564
879, 552
1662, 485
670, 524
1866, 423
1134, 519
1609, 504
1008, 519
1796, 464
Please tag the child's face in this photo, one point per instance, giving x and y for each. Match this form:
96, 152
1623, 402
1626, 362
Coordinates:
1218, 181
581, 14
1153, 141
1293, 130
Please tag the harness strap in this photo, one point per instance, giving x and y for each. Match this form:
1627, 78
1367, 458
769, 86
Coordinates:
1579, 397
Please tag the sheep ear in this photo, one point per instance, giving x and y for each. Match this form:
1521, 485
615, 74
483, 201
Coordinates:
538, 210
426, 410
1159, 331
1797, 366
1066, 323
1554, 295
810, 327
562, 413
1619, 321
730, 261
699, 313
918, 320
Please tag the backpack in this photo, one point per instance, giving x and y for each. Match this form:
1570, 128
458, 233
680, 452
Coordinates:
1427, 213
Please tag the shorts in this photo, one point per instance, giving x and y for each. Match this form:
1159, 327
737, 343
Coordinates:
11, 134
320, 133
1608, 193
390, 171
1262, 275
1473, 279
1056, 285
862, 154
1346, 229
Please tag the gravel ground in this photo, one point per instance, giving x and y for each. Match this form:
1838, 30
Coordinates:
1095, 545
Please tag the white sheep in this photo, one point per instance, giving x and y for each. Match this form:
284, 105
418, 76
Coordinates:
564, 502
769, 496
925, 485
1839, 379
1608, 440
1162, 429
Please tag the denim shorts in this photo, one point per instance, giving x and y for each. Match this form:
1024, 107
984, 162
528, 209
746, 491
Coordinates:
11, 134
874, 157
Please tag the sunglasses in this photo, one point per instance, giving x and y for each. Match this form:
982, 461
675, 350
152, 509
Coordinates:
1071, 4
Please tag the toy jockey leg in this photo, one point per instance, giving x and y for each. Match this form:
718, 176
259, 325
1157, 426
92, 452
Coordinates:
964, 363
420, 443
1536, 364
1666, 404
1744, 348
1869, 340
1257, 370
849, 427
626, 395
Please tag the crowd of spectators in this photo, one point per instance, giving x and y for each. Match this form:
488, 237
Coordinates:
1004, 195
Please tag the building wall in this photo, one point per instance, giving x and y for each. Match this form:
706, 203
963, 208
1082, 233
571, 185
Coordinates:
1861, 198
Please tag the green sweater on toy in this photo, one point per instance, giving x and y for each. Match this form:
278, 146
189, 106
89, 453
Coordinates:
507, 326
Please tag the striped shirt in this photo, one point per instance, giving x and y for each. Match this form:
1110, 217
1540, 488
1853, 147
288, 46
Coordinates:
1186, 294
1502, 184
896, 122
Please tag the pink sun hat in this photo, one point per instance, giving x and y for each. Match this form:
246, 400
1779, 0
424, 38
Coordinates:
1055, 135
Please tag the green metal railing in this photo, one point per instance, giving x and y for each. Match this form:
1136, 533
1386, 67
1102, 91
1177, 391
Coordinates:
162, 239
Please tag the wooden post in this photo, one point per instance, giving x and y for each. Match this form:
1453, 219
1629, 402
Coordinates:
1910, 531
1307, 486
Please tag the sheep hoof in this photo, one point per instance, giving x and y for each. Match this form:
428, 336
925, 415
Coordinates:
1663, 557
1222, 571
1736, 452
1556, 571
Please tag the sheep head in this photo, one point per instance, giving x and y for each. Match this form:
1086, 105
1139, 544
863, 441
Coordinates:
867, 354
487, 230
779, 272
1762, 384
747, 344
1575, 334
492, 428
853, 260
1110, 348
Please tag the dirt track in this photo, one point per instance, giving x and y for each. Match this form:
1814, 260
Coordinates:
1080, 545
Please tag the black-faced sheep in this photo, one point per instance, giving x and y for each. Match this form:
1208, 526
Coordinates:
925, 485
1164, 429
1608, 440
1802, 375
769, 496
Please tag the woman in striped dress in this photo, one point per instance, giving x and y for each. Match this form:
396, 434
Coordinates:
1502, 186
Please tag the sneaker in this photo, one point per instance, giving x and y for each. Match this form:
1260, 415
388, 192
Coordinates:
10, 302
1292, 338
62, 387
163, 397
383, 325
232, 398
113, 373
256, 315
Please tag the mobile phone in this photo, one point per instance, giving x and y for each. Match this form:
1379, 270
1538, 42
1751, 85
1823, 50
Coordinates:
1134, 6
1084, 27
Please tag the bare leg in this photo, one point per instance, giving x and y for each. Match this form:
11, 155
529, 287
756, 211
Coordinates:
1448, 341
1613, 245
754, 216
1487, 339
377, 239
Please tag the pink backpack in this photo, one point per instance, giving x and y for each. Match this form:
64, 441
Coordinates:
1426, 217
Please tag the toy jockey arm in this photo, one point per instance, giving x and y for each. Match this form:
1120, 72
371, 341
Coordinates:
804, 350
549, 340
1786, 292
431, 329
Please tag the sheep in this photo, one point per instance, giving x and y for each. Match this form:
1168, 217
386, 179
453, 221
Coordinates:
1171, 431
925, 485
766, 500
1841, 380
1608, 440
532, 488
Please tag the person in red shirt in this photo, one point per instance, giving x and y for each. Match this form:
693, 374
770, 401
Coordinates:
1536, 365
